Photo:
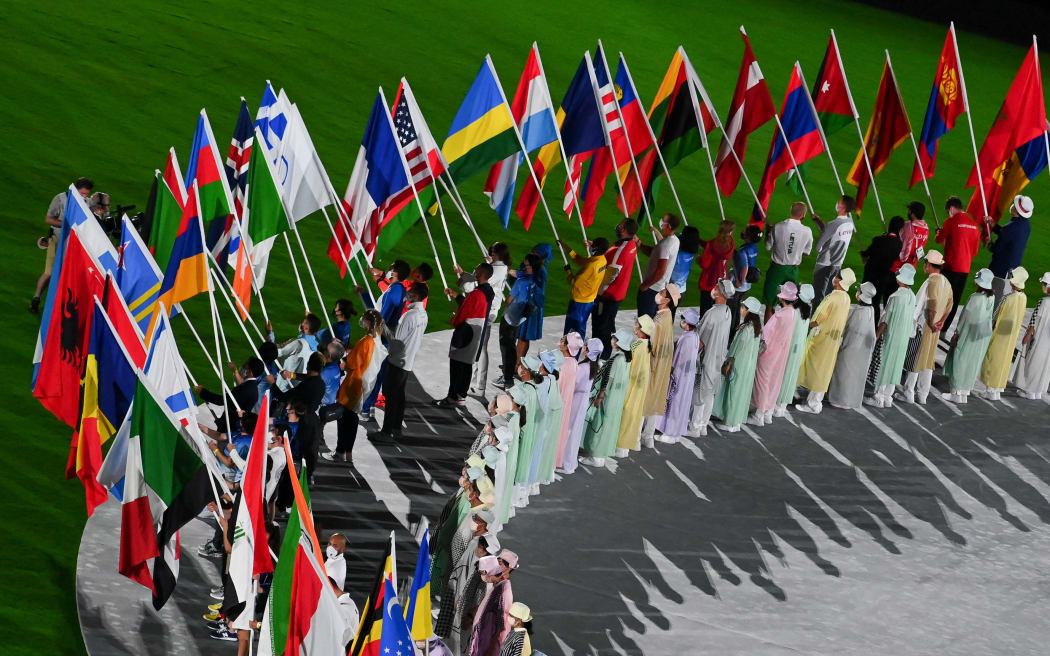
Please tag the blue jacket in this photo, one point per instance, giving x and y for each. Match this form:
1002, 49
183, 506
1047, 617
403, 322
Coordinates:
331, 375
1008, 249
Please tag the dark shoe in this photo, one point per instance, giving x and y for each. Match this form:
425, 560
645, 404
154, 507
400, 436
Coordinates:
446, 403
34, 305
224, 634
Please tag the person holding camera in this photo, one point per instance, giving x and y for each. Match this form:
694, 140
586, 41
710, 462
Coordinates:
49, 242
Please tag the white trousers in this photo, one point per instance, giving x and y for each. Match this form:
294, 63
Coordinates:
702, 407
918, 385
480, 379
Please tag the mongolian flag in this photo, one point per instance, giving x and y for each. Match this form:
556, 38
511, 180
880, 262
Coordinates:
887, 130
947, 102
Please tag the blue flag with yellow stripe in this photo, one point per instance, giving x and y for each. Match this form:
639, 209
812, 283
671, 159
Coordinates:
138, 276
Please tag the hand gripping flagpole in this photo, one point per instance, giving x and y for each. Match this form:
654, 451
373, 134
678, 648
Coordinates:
573, 188
820, 130
656, 144
911, 135
412, 184
627, 138
969, 120
860, 132
524, 152
693, 81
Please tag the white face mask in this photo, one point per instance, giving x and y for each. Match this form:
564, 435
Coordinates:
331, 552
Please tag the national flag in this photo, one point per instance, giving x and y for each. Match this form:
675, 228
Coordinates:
138, 276
138, 539
1011, 177
802, 134
238, 157
674, 118
95, 242
300, 176
1021, 119
831, 96
241, 283
625, 125
164, 210
580, 123
482, 133
418, 613
168, 460
396, 639
752, 106
534, 115
122, 322
114, 466
272, 119
273, 634
249, 550
105, 397
187, 272
206, 169
947, 102
421, 154
69, 332
265, 216
370, 631
887, 130
165, 370
378, 177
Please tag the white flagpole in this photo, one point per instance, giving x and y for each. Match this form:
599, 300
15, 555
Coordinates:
969, 119
295, 269
528, 160
310, 270
794, 164
860, 132
207, 355
694, 85
220, 275
627, 138
1039, 72
453, 195
820, 130
911, 134
233, 310
656, 144
415, 194
573, 188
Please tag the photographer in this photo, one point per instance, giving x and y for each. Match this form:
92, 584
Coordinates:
49, 242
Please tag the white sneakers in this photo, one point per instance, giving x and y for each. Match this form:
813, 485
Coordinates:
814, 409
697, 430
622, 453
592, 462
668, 439
759, 418
648, 442
954, 397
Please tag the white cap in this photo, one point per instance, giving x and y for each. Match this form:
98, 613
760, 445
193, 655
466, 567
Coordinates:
1023, 205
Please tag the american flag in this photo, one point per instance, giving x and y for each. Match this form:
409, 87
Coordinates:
417, 145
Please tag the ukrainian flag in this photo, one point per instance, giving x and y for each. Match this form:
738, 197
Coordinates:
417, 613
187, 273
483, 131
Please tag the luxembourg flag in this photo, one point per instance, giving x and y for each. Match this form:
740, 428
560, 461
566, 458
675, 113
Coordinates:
534, 114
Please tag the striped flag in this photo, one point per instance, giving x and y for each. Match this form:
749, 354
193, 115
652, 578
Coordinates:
237, 160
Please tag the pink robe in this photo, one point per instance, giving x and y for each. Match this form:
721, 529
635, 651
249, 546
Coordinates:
776, 335
566, 385
580, 397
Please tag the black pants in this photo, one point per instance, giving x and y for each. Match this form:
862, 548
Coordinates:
394, 391
647, 302
603, 323
958, 282
346, 429
885, 285
508, 337
459, 379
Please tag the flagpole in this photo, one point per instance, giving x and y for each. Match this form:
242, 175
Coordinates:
528, 160
344, 221
331, 229
860, 133
243, 329
214, 367
412, 184
573, 189
794, 164
453, 195
1046, 132
690, 75
911, 135
820, 129
310, 270
246, 240
969, 119
627, 138
656, 145
221, 275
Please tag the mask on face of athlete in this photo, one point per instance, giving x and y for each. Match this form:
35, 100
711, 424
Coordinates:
331, 552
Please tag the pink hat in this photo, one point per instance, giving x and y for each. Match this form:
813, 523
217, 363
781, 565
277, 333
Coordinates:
788, 292
574, 342
510, 557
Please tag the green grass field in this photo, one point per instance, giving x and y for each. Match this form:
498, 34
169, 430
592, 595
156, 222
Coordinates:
104, 89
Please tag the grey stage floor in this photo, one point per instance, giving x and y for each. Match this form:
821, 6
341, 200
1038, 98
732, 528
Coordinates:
911, 530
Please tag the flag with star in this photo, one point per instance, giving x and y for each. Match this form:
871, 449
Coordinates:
831, 95
396, 639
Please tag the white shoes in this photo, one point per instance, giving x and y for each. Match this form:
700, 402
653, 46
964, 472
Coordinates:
648, 442
697, 430
811, 409
988, 394
668, 439
592, 462
874, 401
622, 453
1031, 396
728, 429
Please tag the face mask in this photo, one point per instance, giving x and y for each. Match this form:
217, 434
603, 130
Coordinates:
331, 552
474, 526
389, 275
712, 295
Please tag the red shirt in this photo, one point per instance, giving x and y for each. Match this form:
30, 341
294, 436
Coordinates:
961, 236
713, 264
617, 290
913, 237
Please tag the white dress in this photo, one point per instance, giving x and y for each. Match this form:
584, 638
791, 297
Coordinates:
1033, 370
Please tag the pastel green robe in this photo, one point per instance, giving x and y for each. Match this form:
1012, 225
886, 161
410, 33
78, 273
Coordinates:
974, 332
899, 317
794, 361
529, 434
553, 433
505, 507
733, 400
603, 423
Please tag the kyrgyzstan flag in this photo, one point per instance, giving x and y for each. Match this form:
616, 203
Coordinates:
69, 332
752, 106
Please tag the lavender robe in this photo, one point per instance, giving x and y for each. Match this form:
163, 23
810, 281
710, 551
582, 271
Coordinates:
491, 622
776, 335
580, 394
675, 420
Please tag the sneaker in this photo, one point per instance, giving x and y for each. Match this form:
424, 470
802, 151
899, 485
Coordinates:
756, 419
224, 634
215, 626
780, 411
215, 607
728, 429
904, 397
622, 453
218, 593
648, 442
380, 402
364, 417
335, 456
208, 550
444, 403
805, 407
212, 617
873, 401
667, 439
382, 436
34, 305
216, 590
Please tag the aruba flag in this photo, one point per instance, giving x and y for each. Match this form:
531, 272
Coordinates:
534, 115
947, 102
800, 131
